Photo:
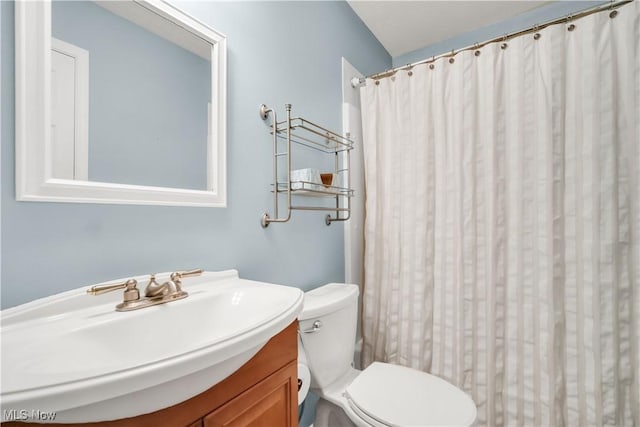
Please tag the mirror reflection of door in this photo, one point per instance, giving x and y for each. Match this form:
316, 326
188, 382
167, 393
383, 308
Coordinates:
150, 81
69, 111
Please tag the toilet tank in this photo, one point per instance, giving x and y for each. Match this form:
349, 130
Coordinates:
329, 347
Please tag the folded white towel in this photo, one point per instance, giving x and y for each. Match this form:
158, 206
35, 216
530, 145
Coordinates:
306, 175
306, 179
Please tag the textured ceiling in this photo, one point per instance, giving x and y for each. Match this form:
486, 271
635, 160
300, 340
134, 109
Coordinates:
404, 26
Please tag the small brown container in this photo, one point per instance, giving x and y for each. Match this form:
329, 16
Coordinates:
327, 179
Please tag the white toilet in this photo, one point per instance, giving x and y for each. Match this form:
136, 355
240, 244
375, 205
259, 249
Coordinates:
382, 394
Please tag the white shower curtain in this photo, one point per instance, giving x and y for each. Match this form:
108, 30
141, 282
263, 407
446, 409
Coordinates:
503, 223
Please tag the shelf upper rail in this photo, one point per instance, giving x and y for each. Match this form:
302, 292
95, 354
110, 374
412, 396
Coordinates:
314, 136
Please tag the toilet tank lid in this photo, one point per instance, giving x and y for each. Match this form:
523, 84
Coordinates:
327, 299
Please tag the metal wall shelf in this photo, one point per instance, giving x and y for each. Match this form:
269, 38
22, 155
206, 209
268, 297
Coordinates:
304, 132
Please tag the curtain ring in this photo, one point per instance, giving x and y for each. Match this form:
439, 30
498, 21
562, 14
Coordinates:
571, 27
536, 36
409, 68
504, 44
451, 59
477, 48
613, 12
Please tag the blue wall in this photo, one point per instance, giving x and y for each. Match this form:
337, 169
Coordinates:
526, 20
143, 113
278, 52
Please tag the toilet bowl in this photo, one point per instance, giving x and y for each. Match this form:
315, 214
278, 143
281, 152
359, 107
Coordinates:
381, 395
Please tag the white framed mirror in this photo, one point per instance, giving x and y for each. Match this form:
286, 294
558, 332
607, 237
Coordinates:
136, 115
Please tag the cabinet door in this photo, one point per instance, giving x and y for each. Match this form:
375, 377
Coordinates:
271, 402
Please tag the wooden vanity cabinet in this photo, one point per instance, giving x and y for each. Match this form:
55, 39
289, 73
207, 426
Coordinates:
263, 392
267, 403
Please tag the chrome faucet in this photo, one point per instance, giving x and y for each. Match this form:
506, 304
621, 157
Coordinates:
155, 293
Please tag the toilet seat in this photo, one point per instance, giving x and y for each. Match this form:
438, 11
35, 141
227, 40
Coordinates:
391, 395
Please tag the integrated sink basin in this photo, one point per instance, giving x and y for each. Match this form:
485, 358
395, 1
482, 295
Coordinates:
73, 355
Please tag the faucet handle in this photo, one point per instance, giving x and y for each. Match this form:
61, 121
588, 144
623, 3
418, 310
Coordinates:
176, 276
131, 292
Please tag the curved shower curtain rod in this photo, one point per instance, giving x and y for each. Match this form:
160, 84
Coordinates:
359, 81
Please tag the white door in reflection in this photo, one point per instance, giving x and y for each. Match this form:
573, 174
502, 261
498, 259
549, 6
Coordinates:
69, 111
